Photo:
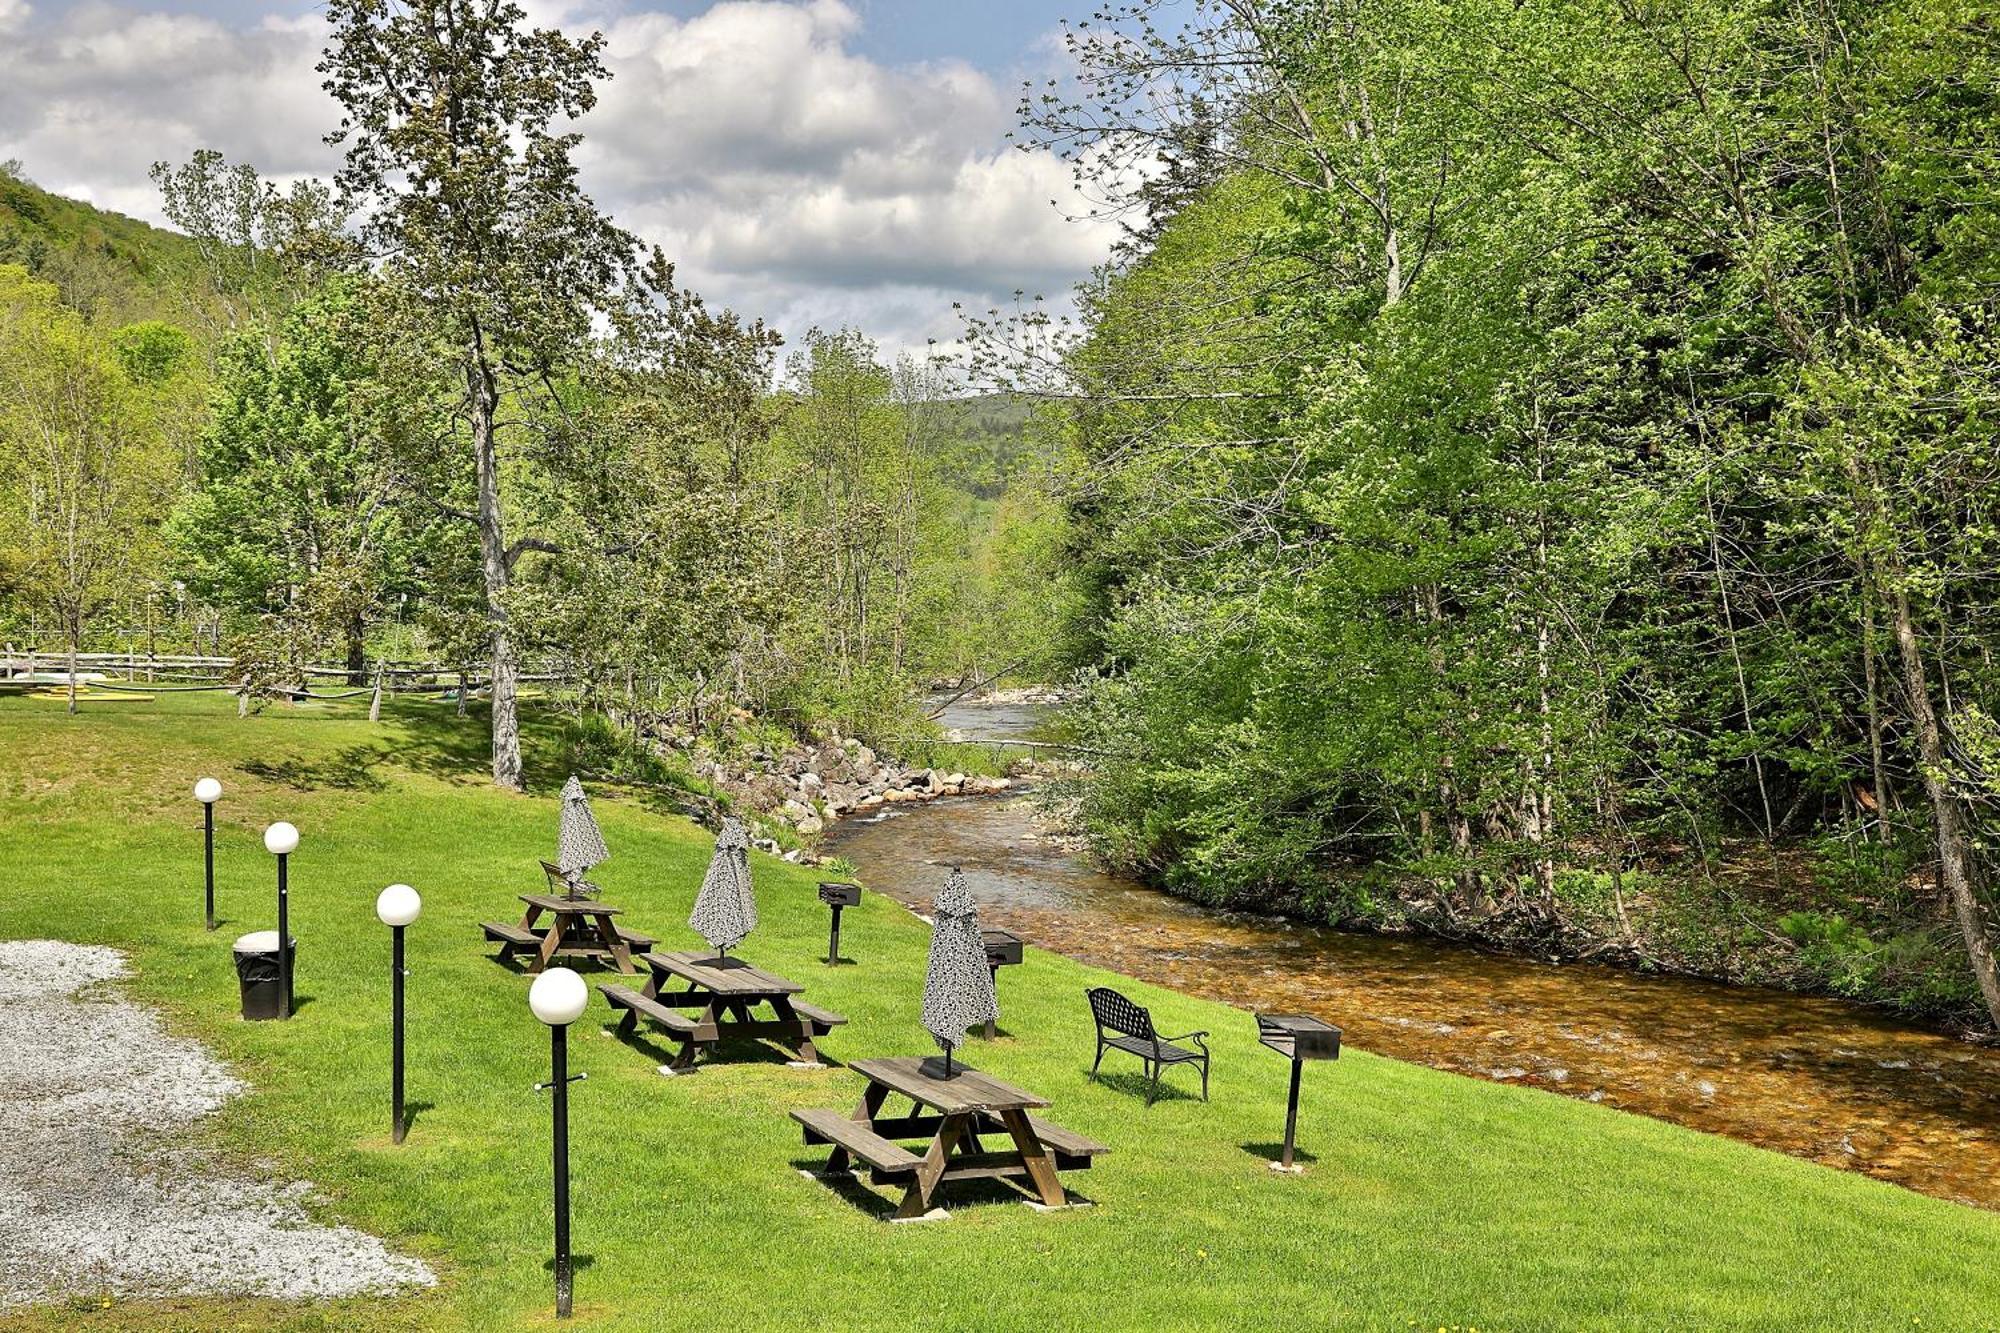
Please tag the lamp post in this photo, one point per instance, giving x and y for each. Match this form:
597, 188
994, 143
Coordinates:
558, 997
281, 840
397, 905
208, 791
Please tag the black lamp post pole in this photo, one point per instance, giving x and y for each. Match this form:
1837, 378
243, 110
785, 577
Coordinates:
396, 1031
1292, 1112
208, 858
284, 944
559, 1066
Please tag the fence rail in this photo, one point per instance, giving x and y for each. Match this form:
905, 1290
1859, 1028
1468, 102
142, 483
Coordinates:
192, 672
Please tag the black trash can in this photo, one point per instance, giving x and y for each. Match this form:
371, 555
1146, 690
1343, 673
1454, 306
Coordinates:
257, 973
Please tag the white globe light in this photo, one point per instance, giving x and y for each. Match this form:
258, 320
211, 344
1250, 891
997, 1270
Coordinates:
208, 791
281, 839
558, 997
398, 905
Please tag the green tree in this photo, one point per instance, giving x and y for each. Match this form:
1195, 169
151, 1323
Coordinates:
297, 513
457, 160
81, 465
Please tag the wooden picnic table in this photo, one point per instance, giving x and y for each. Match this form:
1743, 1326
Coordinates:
966, 1106
582, 926
721, 992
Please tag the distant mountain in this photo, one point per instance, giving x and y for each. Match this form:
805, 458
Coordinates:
114, 268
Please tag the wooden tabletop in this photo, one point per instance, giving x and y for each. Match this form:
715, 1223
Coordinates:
733, 977
556, 902
921, 1078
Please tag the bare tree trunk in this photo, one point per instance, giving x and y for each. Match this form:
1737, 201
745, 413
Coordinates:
493, 563
1743, 695
72, 674
1955, 855
1471, 890
357, 651
1878, 768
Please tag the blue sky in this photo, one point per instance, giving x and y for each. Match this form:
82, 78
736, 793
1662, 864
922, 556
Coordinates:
815, 162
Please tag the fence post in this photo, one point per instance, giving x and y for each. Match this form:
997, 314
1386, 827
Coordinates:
375, 704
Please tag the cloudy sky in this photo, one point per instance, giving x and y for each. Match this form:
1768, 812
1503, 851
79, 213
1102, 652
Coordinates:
830, 162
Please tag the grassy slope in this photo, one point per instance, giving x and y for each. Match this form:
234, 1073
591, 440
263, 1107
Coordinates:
1436, 1200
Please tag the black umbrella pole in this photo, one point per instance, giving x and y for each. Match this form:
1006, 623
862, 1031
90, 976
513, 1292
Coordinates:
399, 1127
208, 860
559, 1062
284, 944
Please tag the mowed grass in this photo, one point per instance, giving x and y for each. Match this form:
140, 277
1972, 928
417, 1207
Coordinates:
1431, 1201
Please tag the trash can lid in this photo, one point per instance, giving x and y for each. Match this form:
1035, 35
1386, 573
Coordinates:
258, 941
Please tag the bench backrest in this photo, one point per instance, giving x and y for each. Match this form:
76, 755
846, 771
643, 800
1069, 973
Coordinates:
559, 883
1118, 1014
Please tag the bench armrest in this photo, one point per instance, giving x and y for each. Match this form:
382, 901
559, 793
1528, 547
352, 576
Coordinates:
1195, 1037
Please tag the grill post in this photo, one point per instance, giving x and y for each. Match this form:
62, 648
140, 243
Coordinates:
1292, 1112
837, 896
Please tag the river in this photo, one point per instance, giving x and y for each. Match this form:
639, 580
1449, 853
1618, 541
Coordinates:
1832, 1082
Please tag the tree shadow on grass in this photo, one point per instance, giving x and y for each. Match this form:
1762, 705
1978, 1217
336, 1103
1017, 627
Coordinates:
433, 740
350, 769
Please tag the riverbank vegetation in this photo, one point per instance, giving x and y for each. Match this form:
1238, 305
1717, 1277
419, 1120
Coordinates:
1543, 454
1460, 1202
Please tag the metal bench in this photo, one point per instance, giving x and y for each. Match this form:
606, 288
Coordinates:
1128, 1027
854, 1139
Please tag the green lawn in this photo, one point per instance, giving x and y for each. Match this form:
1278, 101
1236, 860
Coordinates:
1435, 1201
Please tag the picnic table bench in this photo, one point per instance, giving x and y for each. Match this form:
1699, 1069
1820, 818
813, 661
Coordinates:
577, 926
951, 1114
720, 992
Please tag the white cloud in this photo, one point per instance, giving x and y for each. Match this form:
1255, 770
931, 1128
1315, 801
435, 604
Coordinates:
788, 175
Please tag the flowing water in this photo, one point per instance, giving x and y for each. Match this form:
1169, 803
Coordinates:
1824, 1080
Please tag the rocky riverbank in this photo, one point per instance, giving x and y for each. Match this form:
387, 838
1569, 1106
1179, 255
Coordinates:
809, 786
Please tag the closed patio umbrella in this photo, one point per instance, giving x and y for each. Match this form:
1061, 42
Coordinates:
958, 986
725, 911
579, 843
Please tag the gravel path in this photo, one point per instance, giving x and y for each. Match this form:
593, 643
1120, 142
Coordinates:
95, 1196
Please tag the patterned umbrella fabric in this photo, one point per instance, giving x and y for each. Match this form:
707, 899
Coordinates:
579, 843
725, 911
958, 986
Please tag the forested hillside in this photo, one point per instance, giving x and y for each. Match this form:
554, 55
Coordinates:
1541, 472
109, 266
